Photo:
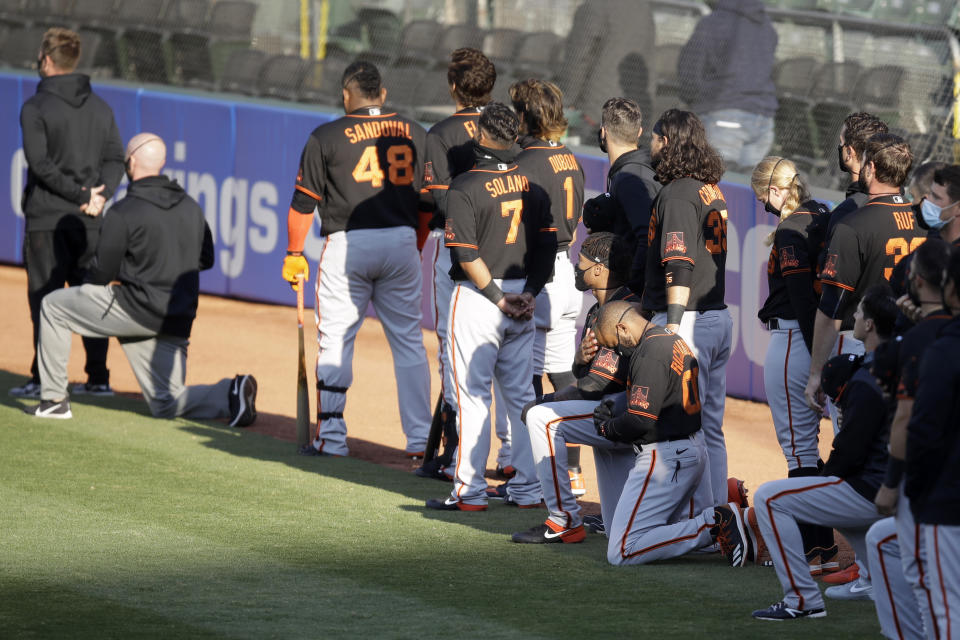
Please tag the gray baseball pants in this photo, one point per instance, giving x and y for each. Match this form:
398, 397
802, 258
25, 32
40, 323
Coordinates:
158, 362
709, 335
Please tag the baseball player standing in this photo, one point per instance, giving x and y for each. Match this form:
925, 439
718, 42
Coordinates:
565, 416
555, 169
788, 313
843, 496
863, 249
653, 519
449, 152
503, 248
933, 453
364, 171
686, 267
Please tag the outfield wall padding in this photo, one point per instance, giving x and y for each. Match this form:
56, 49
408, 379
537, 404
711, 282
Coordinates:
240, 159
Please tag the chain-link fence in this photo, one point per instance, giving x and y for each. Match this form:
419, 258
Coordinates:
896, 58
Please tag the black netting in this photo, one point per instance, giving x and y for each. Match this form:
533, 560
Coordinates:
889, 57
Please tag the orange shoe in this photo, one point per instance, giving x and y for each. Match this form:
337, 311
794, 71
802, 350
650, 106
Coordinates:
849, 574
737, 492
758, 551
549, 532
824, 560
577, 485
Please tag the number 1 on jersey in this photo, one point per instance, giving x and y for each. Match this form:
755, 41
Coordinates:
512, 208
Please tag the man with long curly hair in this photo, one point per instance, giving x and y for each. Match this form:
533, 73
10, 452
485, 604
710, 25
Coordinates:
686, 266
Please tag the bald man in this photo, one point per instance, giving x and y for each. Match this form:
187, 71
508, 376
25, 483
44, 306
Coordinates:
143, 289
663, 510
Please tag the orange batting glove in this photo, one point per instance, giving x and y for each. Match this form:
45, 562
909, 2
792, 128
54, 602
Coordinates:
295, 265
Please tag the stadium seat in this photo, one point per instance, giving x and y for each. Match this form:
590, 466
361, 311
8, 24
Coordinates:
879, 87
141, 38
417, 41
835, 80
402, 85
536, 55
281, 76
13, 13
500, 45
665, 59
635, 82
19, 49
232, 20
795, 76
241, 74
95, 13
321, 83
90, 42
453, 37
187, 16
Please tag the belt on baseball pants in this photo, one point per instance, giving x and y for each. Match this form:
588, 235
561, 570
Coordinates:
637, 448
779, 323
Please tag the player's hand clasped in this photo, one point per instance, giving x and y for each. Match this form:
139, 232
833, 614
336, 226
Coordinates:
814, 395
517, 306
602, 416
294, 267
95, 205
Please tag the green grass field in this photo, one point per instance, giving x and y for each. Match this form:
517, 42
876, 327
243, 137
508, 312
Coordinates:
117, 525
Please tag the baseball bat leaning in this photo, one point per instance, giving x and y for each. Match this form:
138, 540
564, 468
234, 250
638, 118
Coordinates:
436, 432
303, 397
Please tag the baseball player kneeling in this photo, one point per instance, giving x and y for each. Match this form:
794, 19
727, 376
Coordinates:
662, 423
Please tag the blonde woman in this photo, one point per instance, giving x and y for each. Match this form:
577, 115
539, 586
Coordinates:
789, 314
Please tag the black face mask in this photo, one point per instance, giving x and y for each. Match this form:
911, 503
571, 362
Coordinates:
624, 351
579, 280
601, 141
769, 208
843, 167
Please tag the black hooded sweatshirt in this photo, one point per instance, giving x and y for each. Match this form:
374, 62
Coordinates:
155, 242
72, 144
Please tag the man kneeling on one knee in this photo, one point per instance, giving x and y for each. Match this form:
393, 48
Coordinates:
143, 289
663, 509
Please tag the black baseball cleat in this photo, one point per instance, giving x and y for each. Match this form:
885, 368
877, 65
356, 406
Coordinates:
781, 611
548, 533
595, 524
242, 400
59, 409
433, 469
310, 450
498, 492
730, 534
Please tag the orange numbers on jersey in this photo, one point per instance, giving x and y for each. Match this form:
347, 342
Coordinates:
716, 223
399, 166
691, 390
897, 248
568, 191
512, 209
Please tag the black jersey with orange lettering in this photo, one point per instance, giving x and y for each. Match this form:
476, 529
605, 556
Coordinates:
449, 152
663, 401
554, 167
496, 213
791, 268
862, 250
363, 170
687, 245
914, 343
606, 372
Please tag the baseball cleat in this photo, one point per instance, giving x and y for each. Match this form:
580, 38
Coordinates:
859, 589
843, 576
595, 524
737, 492
433, 469
452, 504
823, 560
781, 611
577, 485
548, 533
510, 502
242, 400
310, 450
756, 548
29, 389
498, 492
730, 534
89, 389
59, 409
505, 473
